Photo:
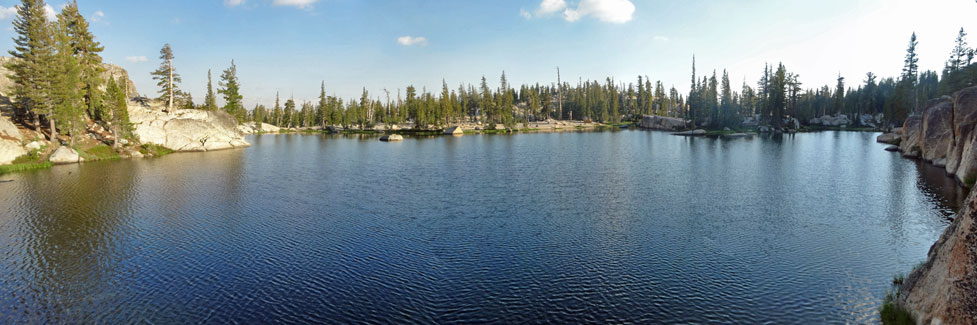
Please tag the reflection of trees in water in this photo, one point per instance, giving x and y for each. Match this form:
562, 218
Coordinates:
75, 236
945, 188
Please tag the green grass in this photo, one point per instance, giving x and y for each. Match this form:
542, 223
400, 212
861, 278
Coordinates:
24, 167
154, 150
99, 152
31, 157
892, 313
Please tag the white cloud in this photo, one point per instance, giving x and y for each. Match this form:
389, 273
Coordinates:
302, 4
98, 16
7, 13
410, 40
525, 14
550, 6
610, 11
661, 38
137, 59
51, 14
233, 3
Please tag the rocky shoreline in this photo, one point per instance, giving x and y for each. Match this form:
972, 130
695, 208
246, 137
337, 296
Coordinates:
943, 290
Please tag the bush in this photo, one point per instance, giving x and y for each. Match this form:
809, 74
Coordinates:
892, 313
154, 150
99, 152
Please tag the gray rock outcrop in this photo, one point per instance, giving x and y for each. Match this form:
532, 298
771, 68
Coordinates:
8, 130
454, 130
655, 122
186, 129
945, 133
10, 150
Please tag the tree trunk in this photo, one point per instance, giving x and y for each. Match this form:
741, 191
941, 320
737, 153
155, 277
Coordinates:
54, 131
169, 105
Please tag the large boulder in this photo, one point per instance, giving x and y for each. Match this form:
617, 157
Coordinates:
943, 290
392, 138
889, 138
912, 133
962, 150
937, 130
10, 150
187, 129
655, 122
64, 155
454, 130
8, 130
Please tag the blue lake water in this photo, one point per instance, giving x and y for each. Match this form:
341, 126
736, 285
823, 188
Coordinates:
607, 227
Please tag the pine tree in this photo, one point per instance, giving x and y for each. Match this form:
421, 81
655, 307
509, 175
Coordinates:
86, 49
210, 100
166, 77
66, 88
277, 112
33, 57
323, 108
231, 90
117, 108
961, 55
910, 73
839, 103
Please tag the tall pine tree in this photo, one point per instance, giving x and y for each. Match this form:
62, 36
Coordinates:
231, 89
166, 77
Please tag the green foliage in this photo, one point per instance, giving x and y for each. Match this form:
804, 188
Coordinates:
210, 101
86, 49
34, 55
231, 89
166, 77
154, 150
19, 167
34, 156
98, 152
894, 314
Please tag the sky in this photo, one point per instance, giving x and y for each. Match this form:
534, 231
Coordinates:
291, 46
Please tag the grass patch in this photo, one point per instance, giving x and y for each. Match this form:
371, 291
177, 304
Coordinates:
154, 150
99, 152
30, 158
24, 167
892, 313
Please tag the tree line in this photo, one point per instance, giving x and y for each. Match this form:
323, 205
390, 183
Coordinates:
57, 75
712, 101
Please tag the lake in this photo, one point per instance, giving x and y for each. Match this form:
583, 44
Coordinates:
604, 227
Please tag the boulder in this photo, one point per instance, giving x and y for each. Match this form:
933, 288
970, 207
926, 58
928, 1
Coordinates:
187, 129
910, 143
34, 145
937, 127
9, 130
64, 155
889, 138
392, 138
738, 135
962, 150
892, 148
454, 130
943, 290
655, 122
10, 150
697, 132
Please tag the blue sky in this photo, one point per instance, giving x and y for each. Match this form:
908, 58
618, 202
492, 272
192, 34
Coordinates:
291, 46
